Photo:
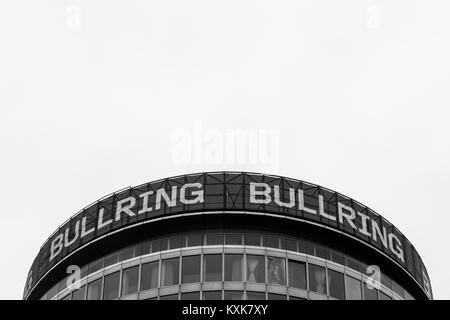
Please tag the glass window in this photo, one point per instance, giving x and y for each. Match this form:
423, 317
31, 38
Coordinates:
94, 290
127, 253
336, 284
297, 274
291, 245
235, 239
164, 244
276, 270
96, 265
190, 269
79, 293
274, 296
156, 245
194, 240
255, 269
212, 295
212, 269
252, 240
232, 295
353, 288
322, 252
301, 246
169, 297
149, 275
256, 295
111, 286
272, 242
369, 294
214, 239
170, 271
175, 242
337, 257
384, 296
111, 259
130, 279
233, 267
317, 279
190, 296
354, 264
146, 247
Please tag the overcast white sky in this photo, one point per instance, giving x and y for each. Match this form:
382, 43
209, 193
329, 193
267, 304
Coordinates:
100, 95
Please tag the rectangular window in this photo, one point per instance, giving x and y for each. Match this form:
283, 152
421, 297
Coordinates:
274, 296
190, 269
130, 279
190, 296
370, 294
233, 267
297, 274
170, 272
276, 270
317, 279
214, 239
146, 248
255, 269
272, 242
156, 245
111, 259
212, 267
234, 239
252, 240
95, 290
353, 288
336, 284
126, 254
256, 296
194, 240
212, 295
175, 243
111, 286
291, 245
95, 266
79, 293
232, 295
149, 275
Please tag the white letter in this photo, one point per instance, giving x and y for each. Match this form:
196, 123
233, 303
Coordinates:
398, 252
75, 237
283, 204
57, 246
101, 224
83, 228
348, 217
322, 210
301, 203
145, 207
126, 208
171, 202
364, 219
265, 193
376, 230
199, 194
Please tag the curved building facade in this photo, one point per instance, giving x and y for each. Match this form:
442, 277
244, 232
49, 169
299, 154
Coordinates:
227, 235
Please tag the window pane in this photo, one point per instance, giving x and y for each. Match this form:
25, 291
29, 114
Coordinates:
190, 296
369, 294
353, 288
156, 245
297, 274
146, 248
79, 293
164, 244
256, 296
212, 295
232, 295
354, 264
384, 296
252, 240
322, 252
190, 269
170, 271
194, 240
291, 245
276, 270
214, 239
111, 286
149, 275
111, 259
130, 279
127, 253
175, 243
273, 296
337, 257
336, 284
169, 297
212, 270
95, 266
233, 267
271, 242
255, 269
94, 290
317, 279
235, 239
